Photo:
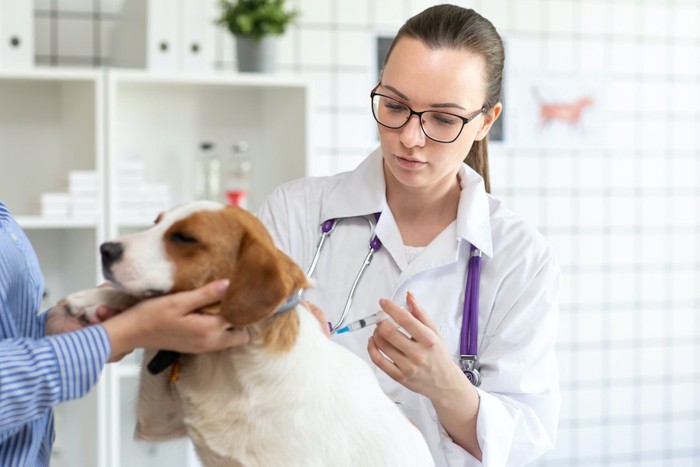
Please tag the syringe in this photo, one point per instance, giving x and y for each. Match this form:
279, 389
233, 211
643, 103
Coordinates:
367, 321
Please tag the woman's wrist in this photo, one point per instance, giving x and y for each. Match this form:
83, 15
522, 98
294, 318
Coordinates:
455, 391
123, 335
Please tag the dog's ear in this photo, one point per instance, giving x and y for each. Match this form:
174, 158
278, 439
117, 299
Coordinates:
262, 280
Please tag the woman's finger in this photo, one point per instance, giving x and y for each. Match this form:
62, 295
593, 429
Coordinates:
417, 330
384, 364
206, 295
320, 316
393, 352
417, 311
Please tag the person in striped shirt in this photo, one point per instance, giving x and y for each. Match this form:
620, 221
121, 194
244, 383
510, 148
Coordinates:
47, 358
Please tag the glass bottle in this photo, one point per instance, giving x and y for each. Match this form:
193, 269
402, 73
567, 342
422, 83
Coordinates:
209, 173
237, 176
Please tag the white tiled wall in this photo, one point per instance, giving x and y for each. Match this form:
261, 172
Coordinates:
623, 214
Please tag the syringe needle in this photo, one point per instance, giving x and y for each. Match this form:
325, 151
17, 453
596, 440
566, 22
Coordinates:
364, 322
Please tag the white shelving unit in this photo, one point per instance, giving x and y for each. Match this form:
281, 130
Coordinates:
53, 121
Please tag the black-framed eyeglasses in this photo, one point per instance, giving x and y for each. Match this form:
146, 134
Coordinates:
442, 127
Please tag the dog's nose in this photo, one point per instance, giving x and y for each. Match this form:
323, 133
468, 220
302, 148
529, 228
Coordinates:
111, 252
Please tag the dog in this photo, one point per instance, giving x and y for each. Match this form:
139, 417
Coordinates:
291, 396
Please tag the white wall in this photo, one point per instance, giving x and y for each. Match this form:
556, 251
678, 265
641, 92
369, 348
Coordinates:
623, 210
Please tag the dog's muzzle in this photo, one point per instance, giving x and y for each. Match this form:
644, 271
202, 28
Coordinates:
111, 253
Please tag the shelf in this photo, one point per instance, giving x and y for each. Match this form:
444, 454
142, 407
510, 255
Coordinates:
128, 370
140, 133
39, 222
51, 74
223, 78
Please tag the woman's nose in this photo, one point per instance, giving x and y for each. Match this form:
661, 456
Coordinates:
412, 133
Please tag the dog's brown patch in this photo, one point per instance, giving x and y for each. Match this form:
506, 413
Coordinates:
281, 334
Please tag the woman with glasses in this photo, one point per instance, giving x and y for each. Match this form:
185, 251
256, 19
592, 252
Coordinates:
482, 387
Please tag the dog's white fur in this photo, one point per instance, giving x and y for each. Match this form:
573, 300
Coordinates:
291, 397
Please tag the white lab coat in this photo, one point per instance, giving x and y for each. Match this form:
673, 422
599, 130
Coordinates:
518, 312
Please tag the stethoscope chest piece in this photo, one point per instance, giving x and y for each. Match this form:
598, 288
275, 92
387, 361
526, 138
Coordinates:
468, 365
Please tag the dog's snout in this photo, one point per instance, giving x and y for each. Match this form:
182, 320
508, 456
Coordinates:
111, 252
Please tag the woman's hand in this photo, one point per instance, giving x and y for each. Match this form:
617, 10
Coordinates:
320, 316
172, 322
423, 364
420, 362
58, 321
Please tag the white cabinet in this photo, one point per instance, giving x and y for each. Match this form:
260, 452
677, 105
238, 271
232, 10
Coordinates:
161, 120
130, 129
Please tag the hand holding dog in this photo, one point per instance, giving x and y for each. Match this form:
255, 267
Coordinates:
172, 322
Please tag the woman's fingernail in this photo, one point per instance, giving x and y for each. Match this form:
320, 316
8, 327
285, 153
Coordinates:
409, 294
223, 284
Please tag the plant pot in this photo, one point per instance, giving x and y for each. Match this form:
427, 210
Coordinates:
258, 56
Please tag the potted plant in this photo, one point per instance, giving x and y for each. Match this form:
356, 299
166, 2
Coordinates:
256, 25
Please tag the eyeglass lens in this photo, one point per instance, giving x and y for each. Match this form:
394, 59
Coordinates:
436, 125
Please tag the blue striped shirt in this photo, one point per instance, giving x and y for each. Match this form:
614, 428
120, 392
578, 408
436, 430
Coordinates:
36, 371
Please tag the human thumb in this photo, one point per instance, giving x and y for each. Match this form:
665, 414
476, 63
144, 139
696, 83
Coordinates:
210, 293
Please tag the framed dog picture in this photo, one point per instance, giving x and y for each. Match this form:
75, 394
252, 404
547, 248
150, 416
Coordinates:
555, 111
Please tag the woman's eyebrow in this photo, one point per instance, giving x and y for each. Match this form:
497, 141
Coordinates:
442, 105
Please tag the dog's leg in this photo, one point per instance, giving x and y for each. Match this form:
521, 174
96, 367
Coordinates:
158, 409
84, 304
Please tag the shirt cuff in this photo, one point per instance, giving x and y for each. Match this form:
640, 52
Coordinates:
81, 355
495, 428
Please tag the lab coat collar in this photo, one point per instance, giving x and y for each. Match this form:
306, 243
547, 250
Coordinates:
473, 213
363, 192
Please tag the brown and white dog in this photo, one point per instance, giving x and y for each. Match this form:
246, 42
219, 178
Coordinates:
291, 397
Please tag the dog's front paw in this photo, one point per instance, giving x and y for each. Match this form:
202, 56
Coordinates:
83, 305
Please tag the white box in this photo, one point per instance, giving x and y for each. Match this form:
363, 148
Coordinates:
83, 182
84, 206
16, 33
55, 204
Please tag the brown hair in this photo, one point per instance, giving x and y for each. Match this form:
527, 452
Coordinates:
451, 26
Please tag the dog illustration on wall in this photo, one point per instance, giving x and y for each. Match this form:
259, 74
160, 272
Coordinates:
569, 113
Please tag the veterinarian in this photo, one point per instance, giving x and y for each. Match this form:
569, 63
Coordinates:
424, 194
50, 358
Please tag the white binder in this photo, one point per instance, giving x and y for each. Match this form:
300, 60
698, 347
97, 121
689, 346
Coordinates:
146, 35
16, 33
198, 33
164, 35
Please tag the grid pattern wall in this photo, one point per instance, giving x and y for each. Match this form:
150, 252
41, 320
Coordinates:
623, 211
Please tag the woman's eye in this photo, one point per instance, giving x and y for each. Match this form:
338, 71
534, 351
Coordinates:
395, 107
180, 237
444, 119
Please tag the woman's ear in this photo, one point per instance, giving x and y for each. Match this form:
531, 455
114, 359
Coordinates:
487, 122
262, 280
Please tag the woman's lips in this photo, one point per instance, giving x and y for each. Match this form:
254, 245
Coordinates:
409, 163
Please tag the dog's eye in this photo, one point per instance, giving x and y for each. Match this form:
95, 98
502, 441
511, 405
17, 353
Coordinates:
180, 237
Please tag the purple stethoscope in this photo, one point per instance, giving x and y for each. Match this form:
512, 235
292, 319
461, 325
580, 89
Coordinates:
470, 313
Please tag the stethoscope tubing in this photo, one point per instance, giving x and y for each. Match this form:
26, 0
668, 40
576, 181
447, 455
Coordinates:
470, 309
348, 301
469, 334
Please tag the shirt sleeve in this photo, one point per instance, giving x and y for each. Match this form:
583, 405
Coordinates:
519, 400
274, 214
36, 374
